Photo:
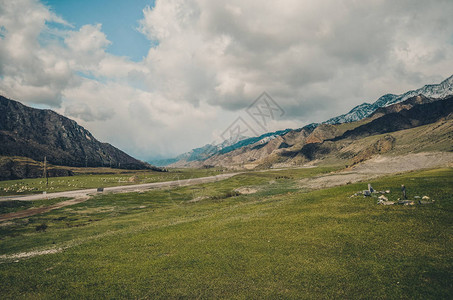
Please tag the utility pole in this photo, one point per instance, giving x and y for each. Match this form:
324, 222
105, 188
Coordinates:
86, 161
45, 170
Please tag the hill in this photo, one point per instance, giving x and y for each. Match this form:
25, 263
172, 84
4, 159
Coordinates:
35, 133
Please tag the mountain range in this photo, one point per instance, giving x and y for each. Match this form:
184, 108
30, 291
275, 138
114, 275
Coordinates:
250, 151
414, 121
441, 90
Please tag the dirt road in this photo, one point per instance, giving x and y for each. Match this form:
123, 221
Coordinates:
373, 168
83, 195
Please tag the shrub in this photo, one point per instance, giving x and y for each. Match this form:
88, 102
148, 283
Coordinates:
41, 227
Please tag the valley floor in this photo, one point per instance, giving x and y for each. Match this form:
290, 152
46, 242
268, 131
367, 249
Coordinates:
279, 239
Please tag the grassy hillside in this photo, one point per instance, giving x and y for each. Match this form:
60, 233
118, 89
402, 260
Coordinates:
204, 242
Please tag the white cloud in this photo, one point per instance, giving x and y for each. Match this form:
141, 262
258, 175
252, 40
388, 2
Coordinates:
213, 58
88, 44
30, 71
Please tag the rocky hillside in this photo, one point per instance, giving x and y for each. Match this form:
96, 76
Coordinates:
415, 125
414, 112
35, 133
12, 167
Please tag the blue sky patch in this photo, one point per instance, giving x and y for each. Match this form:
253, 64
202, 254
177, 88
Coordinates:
119, 19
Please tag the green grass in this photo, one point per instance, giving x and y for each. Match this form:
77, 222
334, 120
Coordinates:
10, 206
95, 180
281, 242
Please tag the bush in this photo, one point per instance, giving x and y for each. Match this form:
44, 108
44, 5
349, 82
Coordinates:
41, 227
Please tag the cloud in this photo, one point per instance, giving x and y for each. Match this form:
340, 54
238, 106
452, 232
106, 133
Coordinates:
300, 52
30, 71
89, 44
209, 60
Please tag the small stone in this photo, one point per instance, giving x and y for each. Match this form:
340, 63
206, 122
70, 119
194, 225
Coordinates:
387, 191
133, 178
382, 202
383, 198
406, 202
425, 198
424, 202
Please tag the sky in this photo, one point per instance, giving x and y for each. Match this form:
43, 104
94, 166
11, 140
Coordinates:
158, 78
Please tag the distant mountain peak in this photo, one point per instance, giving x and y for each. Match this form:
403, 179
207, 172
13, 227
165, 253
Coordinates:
441, 90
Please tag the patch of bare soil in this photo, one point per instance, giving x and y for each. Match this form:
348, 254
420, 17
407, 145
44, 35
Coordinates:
22, 255
198, 199
39, 210
380, 166
246, 191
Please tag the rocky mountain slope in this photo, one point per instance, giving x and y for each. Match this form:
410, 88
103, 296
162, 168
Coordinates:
417, 111
35, 133
382, 131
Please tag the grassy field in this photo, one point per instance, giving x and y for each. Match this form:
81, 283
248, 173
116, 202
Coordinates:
16, 205
95, 178
205, 241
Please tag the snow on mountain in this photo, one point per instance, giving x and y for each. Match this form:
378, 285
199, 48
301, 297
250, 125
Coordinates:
226, 146
259, 139
441, 90
444, 89
208, 150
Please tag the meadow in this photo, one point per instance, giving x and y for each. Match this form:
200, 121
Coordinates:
209, 241
91, 178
